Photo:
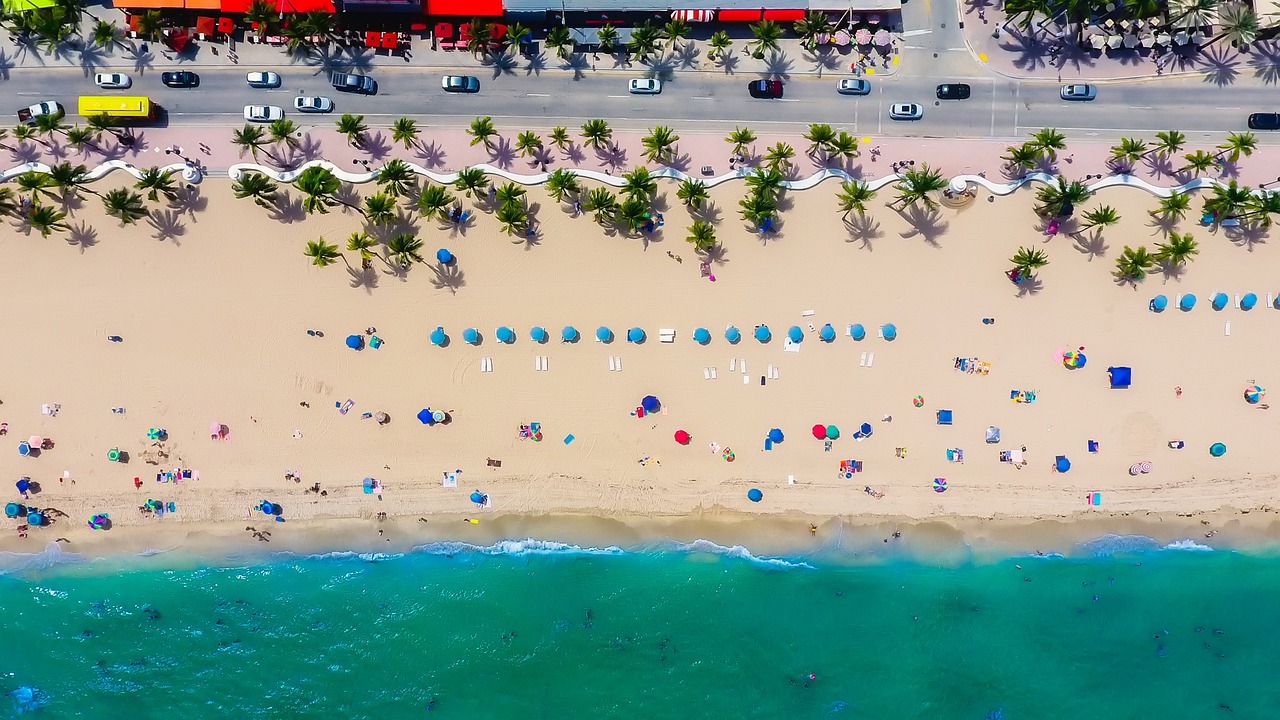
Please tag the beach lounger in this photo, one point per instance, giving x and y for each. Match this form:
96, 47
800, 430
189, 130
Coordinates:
806, 313
545, 364
666, 335
871, 359
1270, 302
617, 363
706, 373
612, 365
733, 364
881, 332
1237, 301
742, 365
1226, 329
713, 377
862, 362
746, 379
1177, 300
812, 328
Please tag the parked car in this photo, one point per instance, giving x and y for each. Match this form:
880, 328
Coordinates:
262, 113
905, 111
1264, 121
644, 86
312, 104
354, 82
460, 83
180, 79
48, 107
112, 81
263, 79
765, 88
953, 91
1079, 92
853, 86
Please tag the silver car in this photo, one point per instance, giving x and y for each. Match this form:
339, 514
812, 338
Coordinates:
905, 111
644, 86
853, 86
1079, 92
263, 79
112, 81
262, 113
313, 104
460, 83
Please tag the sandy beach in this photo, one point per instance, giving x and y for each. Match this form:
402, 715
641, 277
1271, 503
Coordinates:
214, 320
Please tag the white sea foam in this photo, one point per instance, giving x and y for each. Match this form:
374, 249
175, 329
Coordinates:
52, 555
350, 555
739, 552
528, 546
1188, 545
1112, 544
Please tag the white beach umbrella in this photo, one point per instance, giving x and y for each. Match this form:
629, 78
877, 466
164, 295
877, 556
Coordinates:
1131, 41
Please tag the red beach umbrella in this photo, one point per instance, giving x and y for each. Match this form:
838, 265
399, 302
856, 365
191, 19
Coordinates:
682, 437
820, 431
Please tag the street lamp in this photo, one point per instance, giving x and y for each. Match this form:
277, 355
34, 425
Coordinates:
1264, 185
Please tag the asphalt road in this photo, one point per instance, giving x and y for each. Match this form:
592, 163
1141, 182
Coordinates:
998, 107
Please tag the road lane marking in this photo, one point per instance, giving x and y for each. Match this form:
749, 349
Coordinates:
537, 94
913, 33
701, 97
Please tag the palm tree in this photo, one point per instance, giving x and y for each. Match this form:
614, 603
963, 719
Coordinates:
919, 185
1198, 161
318, 186
607, 39
1227, 201
644, 41
8, 202
70, 177
1128, 152
1021, 13
702, 235
479, 36
1132, 265
854, 195
481, 130
283, 131
1061, 198
766, 182
659, 144
596, 133
257, 186
1192, 14
741, 138
405, 249
639, 183
1238, 144
819, 136
1238, 24
397, 178
510, 194
602, 203
46, 219
353, 127
758, 209
558, 38
561, 183
779, 157
813, 24
720, 43
361, 244
1048, 141
513, 218
322, 254
1173, 207
1266, 203
249, 137
261, 14
1168, 142
405, 130
124, 205
844, 146
693, 193
633, 213
559, 136
1178, 250
435, 200
78, 138
157, 182
767, 33
36, 183
105, 34
1102, 216
675, 31
516, 33
1028, 259
471, 180
528, 143
49, 125
1023, 157
99, 123
149, 25
379, 209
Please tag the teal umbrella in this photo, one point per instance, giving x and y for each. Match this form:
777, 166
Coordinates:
604, 334
827, 333
538, 334
732, 334
504, 334
795, 334
858, 332
470, 335
762, 333
438, 336
701, 336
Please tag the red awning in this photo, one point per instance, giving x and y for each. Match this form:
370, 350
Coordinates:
304, 6
738, 15
444, 31
465, 8
390, 41
693, 15
784, 15
178, 39
234, 6
204, 25
371, 39
226, 26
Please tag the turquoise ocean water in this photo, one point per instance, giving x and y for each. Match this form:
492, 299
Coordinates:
529, 629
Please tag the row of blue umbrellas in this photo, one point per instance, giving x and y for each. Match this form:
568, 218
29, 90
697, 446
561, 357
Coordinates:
1218, 301
701, 335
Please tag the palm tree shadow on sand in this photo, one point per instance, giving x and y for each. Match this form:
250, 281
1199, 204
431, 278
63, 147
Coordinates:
863, 229
1248, 235
447, 277
362, 277
83, 236
926, 223
432, 154
287, 209
1091, 244
168, 225
1030, 286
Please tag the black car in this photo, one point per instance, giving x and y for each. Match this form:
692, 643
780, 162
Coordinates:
1264, 121
354, 82
953, 91
180, 79
765, 88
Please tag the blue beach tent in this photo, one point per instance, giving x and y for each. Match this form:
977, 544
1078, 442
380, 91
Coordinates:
1120, 376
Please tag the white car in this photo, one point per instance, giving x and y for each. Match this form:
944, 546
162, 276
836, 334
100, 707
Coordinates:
263, 79
112, 81
644, 86
905, 111
853, 86
1078, 92
313, 104
262, 113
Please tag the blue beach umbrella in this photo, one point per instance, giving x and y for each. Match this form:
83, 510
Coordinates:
1248, 301
889, 330
1159, 303
865, 429
795, 334
762, 333
732, 334
443, 256
1219, 301
424, 416
13, 510
35, 518
775, 435
24, 449
604, 334
635, 335
650, 403
569, 334
477, 497
470, 335
504, 334
355, 342
538, 334
754, 495
701, 336
1188, 301
858, 332
1217, 449
438, 336
827, 333
1061, 464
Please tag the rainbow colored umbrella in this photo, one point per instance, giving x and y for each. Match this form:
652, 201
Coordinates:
1074, 359
1253, 394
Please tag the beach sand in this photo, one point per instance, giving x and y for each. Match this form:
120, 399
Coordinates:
213, 318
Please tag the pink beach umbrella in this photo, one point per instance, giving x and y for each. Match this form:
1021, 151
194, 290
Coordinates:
862, 36
216, 430
881, 38
35, 441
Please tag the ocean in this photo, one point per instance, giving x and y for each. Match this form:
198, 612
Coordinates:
528, 629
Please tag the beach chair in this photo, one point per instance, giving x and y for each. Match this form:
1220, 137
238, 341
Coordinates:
871, 359
944, 417
706, 373
666, 335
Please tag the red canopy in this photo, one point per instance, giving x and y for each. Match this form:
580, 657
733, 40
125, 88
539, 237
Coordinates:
178, 39
820, 431
682, 437
204, 25
390, 41
464, 8
226, 26
371, 39
444, 31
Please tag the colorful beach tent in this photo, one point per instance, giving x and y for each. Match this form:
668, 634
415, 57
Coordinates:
1217, 449
35, 518
604, 334
424, 416
795, 334
13, 510
1187, 302
1120, 376
24, 449
538, 334
762, 333
701, 336
1159, 303
504, 334
1252, 394
832, 432
827, 333
889, 330
471, 336
858, 332
1073, 359
355, 342
569, 334
438, 336
732, 334
1218, 301
23, 485
635, 335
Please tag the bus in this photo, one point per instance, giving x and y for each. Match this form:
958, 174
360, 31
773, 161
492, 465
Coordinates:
121, 108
